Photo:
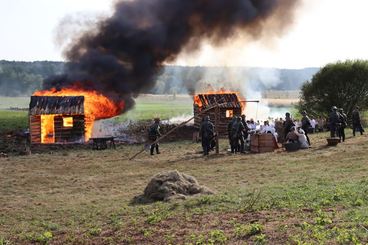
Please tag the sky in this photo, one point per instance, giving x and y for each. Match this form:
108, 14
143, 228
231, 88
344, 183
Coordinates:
323, 31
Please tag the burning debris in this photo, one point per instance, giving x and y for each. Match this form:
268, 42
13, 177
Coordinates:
122, 56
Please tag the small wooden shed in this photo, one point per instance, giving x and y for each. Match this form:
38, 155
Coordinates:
229, 105
57, 119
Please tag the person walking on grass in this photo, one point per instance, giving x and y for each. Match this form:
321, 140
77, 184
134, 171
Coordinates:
153, 135
206, 132
357, 124
343, 124
334, 121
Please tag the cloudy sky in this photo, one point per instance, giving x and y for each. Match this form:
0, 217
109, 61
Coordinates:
324, 31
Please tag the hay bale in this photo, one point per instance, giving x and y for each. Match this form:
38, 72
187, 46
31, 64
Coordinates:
173, 185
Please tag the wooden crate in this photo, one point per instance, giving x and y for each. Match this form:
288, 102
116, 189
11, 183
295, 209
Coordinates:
262, 143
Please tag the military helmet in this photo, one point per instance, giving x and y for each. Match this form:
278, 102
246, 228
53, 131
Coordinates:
156, 119
334, 108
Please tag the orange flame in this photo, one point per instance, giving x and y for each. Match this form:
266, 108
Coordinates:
96, 106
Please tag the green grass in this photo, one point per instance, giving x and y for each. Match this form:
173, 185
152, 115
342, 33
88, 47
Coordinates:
13, 120
146, 110
316, 196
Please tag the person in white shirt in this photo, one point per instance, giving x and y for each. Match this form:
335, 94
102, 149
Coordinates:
313, 125
302, 138
267, 129
252, 125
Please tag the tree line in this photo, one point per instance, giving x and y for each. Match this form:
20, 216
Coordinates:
23, 78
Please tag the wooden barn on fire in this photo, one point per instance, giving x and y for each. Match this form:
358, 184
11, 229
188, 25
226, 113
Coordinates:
228, 104
57, 119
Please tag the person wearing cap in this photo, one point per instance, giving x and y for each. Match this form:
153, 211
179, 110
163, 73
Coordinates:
343, 124
357, 124
306, 125
206, 131
154, 134
334, 121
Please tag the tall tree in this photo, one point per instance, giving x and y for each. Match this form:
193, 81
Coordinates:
341, 84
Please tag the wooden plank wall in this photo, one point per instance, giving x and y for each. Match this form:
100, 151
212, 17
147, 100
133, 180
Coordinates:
35, 129
223, 120
69, 135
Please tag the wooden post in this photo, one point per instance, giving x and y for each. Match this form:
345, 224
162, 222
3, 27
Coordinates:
216, 128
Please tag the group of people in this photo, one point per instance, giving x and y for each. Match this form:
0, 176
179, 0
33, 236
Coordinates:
239, 130
297, 134
338, 122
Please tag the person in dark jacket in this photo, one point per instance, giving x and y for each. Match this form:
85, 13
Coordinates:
153, 135
206, 132
306, 125
343, 124
229, 126
334, 122
357, 124
244, 136
236, 133
288, 124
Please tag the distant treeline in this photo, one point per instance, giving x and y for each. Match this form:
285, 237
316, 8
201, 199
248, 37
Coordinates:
23, 78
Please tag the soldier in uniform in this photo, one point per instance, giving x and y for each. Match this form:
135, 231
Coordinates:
236, 133
334, 121
357, 125
154, 134
343, 124
206, 132
306, 125
244, 136
229, 126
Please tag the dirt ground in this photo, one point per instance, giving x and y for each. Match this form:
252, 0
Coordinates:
80, 196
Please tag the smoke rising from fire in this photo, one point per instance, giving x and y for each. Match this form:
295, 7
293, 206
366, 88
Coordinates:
122, 56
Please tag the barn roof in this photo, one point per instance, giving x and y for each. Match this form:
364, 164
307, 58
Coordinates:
225, 100
65, 105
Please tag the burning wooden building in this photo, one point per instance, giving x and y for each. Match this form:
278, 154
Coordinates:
221, 107
57, 119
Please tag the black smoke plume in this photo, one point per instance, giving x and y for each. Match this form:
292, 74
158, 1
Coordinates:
123, 55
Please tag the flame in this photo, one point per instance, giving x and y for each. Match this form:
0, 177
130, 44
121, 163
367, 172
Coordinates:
96, 106
199, 103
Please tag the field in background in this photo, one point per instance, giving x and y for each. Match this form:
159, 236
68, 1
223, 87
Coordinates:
146, 108
316, 196
13, 120
163, 106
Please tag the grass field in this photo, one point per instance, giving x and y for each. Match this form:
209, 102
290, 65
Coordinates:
146, 108
316, 196
13, 120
